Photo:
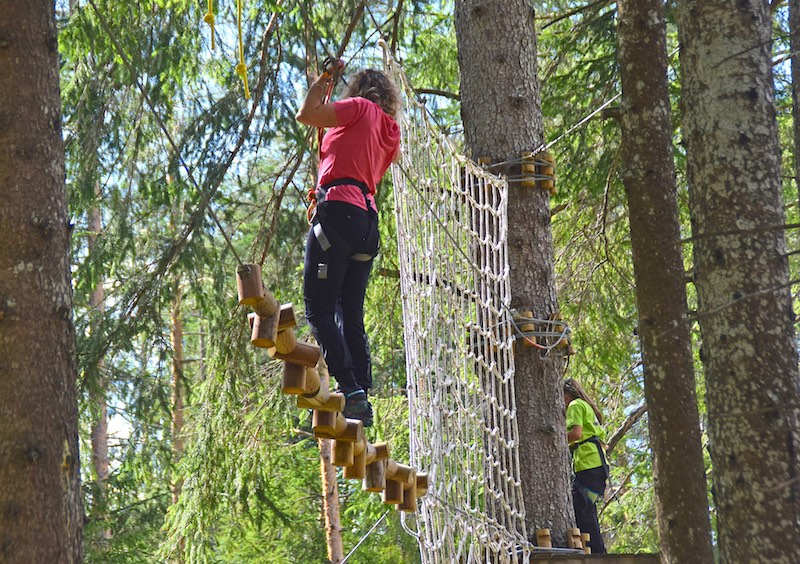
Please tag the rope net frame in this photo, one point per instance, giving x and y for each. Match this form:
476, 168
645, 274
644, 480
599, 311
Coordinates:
458, 328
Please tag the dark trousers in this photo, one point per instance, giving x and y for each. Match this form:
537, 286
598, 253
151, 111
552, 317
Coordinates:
593, 479
334, 288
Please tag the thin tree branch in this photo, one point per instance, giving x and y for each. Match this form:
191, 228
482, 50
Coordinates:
619, 491
396, 26
354, 19
576, 11
438, 92
626, 426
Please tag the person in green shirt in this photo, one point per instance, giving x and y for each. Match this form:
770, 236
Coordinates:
585, 437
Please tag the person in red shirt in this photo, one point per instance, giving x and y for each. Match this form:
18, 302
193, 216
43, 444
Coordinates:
362, 141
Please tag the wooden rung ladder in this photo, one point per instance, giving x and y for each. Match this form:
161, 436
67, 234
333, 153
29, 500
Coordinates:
272, 328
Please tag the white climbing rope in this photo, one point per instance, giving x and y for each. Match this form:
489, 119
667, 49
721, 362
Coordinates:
454, 275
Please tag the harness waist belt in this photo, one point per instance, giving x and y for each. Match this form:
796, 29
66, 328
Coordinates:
596, 441
345, 181
323, 189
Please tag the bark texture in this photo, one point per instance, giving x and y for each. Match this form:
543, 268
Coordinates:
99, 430
330, 503
331, 510
742, 278
41, 514
501, 111
648, 174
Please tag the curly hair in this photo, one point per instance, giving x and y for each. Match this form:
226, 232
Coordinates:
375, 87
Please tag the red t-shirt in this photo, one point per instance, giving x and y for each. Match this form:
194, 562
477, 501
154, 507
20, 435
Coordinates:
361, 146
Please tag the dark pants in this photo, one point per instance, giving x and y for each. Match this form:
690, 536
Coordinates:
334, 288
593, 479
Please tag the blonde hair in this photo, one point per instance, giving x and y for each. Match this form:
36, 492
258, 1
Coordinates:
574, 388
376, 87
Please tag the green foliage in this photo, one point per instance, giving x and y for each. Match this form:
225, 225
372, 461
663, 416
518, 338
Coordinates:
430, 59
240, 495
151, 120
249, 472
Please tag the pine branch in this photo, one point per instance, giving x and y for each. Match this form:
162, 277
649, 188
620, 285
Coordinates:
356, 17
596, 4
626, 426
437, 92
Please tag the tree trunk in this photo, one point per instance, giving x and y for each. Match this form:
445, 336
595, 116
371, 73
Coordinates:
330, 503
177, 388
41, 513
742, 277
794, 45
502, 116
330, 489
648, 174
99, 430
330, 493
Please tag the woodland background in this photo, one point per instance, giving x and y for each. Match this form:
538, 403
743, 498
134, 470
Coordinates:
187, 445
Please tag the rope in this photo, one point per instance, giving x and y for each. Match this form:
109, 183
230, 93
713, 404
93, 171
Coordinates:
406, 528
459, 330
327, 92
241, 68
375, 526
581, 122
599, 109
209, 19
459, 249
126, 61
549, 144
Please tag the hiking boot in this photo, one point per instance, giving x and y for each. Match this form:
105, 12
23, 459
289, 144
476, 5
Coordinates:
358, 407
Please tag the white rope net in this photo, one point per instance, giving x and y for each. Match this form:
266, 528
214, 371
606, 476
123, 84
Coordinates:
452, 229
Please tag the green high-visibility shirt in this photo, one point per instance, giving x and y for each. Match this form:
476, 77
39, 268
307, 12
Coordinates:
586, 456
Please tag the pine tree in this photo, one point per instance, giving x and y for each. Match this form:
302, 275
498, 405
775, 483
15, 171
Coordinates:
501, 111
741, 274
649, 177
42, 515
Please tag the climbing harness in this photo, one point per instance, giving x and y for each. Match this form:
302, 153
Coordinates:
599, 444
327, 237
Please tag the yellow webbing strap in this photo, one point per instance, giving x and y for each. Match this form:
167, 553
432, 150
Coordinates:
241, 68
